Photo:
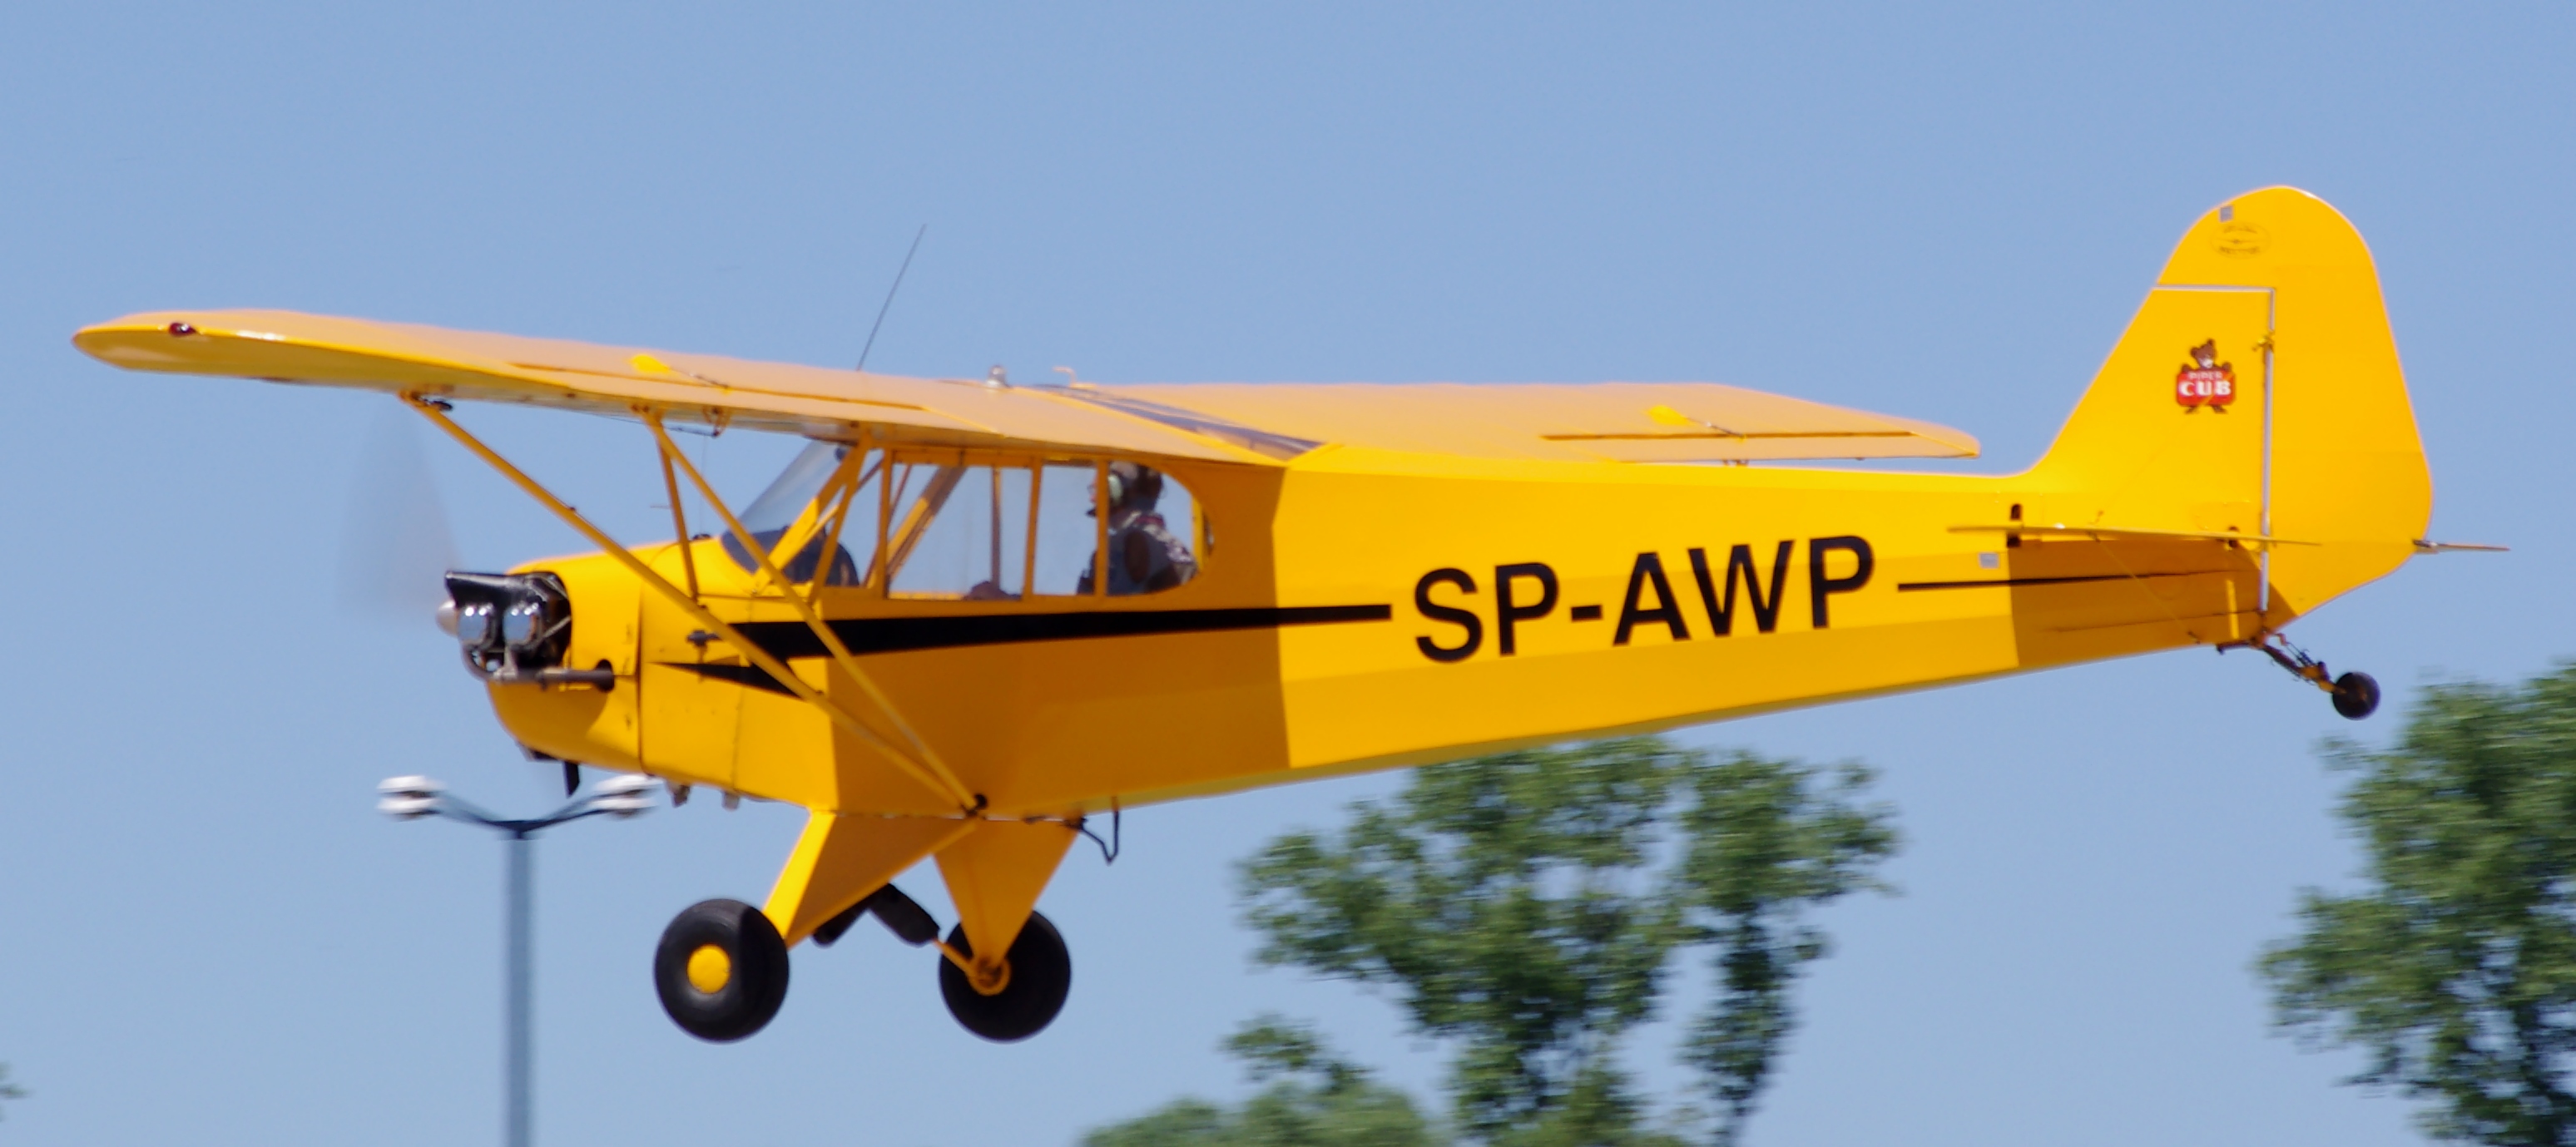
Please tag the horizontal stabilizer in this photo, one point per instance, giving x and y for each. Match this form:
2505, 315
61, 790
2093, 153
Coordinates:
2116, 533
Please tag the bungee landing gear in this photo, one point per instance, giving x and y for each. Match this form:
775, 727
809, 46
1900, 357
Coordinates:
721, 969
2355, 694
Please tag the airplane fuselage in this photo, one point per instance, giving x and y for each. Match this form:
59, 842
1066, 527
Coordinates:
1364, 610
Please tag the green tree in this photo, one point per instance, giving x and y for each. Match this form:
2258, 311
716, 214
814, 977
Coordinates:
1314, 1099
1766, 839
1526, 905
2454, 965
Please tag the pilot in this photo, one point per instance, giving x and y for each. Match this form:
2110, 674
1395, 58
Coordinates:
1144, 555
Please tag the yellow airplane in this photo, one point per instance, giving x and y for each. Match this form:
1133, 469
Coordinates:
973, 614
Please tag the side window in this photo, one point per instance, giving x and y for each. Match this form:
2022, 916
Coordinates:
960, 526
959, 529
1067, 531
1148, 538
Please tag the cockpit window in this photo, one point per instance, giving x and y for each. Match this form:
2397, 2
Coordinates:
1002, 531
958, 525
1143, 553
790, 501
959, 530
794, 487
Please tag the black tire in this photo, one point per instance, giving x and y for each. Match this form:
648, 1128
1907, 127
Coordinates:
754, 981
1041, 978
2356, 695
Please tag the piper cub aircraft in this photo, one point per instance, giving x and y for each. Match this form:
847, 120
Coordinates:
973, 615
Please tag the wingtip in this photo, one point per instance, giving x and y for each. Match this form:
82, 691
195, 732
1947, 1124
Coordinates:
125, 341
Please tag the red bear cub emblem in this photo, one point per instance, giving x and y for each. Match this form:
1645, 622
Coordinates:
2205, 381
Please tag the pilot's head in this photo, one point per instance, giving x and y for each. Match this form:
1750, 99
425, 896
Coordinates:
1133, 486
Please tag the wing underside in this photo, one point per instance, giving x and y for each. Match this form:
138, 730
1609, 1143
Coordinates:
1261, 423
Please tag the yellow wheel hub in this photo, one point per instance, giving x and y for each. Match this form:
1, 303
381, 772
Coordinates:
992, 981
710, 969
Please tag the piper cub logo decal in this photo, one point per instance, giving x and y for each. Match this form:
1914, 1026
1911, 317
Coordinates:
2205, 381
1729, 586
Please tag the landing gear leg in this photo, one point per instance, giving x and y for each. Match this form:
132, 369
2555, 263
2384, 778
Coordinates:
2356, 694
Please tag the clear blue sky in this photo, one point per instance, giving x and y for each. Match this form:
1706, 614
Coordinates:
1944, 212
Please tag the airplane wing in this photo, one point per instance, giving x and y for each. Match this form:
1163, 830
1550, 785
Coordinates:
1262, 423
1585, 422
819, 402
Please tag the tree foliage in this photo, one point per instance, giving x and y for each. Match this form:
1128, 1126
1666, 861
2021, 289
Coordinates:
2454, 966
1763, 843
1526, 906
1314, 1099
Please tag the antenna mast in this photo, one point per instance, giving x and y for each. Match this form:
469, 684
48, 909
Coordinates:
889, 299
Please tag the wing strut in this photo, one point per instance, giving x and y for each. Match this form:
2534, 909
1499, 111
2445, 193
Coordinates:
814, 620
680, 526
928, 772
840, 518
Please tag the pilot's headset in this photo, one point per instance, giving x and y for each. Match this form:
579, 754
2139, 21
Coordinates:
1134, 484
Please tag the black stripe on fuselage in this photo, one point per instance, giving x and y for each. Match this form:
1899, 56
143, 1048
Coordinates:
747, 676
866, 635
2013, 581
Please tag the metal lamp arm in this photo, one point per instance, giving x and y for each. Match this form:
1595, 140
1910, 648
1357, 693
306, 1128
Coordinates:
458, 808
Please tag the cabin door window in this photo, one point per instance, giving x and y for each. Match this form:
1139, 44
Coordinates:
957, 528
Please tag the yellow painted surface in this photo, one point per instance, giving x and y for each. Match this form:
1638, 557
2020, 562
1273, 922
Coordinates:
1589, 422
710, 969
994, 876
841, 859
2141, 529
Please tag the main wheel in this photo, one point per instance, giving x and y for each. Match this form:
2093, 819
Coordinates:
721, 970
1041, 976
2356, 695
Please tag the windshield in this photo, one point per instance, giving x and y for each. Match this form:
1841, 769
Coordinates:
788, 494
777, 508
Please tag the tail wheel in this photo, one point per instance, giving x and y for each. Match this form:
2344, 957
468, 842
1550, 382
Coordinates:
2356, 695
721, 970
1041, 976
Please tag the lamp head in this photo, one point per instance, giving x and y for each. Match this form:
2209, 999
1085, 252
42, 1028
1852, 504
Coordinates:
624, 795
409, 798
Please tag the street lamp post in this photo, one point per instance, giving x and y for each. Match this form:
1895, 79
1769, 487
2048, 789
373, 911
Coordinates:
411, 798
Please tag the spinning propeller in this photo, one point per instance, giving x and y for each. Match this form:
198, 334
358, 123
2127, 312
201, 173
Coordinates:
396, 548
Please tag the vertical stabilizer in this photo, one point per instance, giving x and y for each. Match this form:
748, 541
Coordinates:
2258, 392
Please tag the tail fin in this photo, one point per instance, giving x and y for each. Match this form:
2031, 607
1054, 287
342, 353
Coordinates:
2256, 392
